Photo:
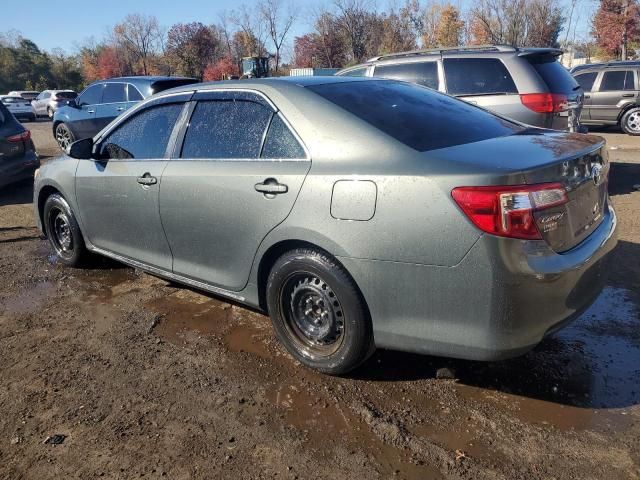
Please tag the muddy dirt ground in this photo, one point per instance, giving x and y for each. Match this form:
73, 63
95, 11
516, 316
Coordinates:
141, 378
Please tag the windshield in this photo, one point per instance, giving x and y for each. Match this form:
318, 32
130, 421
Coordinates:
416, 116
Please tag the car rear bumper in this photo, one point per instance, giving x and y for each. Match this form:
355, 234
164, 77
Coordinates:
17, 169
498, 302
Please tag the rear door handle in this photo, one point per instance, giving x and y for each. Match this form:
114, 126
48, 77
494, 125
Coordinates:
147, 179
91, 111
271, 187
626, 95
120, 109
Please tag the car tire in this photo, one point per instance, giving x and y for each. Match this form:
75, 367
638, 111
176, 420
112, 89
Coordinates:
63, 231
63, 136
630, 121
318, 312
49, 113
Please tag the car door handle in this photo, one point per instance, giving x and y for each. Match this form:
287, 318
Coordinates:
587, 96
271, 187
628, 95
91, 111
120, 109
147, 179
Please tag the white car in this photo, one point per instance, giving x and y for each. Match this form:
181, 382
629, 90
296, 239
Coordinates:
19, 107
26, 94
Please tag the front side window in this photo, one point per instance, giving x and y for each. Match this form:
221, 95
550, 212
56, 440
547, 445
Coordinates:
356, 72
419, 117
586, 80
145, 135
91, 96
422, 73
618, 80
114, 93
280, 142
477, 76
226, 129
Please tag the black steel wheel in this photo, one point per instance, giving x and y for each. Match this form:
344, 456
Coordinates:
318, 313
63, 231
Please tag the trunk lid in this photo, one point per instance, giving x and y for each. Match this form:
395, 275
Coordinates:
534, 156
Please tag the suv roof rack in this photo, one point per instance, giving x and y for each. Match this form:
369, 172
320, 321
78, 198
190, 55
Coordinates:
615, 63
468, 48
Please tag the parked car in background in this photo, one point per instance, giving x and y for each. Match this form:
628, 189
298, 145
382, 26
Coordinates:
262, 191
102, 101
49, 101
19, 107
611, 94
18, 158
26, 94
526, 84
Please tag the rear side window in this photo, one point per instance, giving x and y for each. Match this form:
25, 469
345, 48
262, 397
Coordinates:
67, 95
92, 95
356, 72
557, 78
144, 135
114, 93
422, 73
586, 80
477, 76
134, 95
416, 116
226, 129
280, 142
617, 80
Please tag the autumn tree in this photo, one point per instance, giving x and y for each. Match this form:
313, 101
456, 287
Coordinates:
252, 33
221, 69
190, 48
397, 33
616, 24
306, 50
355, 22
138, 37
449, 28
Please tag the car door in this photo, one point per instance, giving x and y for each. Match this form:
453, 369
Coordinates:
39, 103
616, 89
586, 81
117, 195
421, 73
114, 102
235, 177
83, 118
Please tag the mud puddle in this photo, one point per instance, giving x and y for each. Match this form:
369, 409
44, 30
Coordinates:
29, 300
587, 376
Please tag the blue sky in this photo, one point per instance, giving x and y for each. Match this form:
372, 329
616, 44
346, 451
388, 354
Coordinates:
78, 20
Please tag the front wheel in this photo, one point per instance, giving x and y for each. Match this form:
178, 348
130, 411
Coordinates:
49, 113
630, 121
64, 137
318, 313
63, 231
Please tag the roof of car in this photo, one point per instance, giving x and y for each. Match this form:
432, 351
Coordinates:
614, 64
144, 78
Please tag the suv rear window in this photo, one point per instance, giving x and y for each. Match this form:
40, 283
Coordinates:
67, 95
477, 76
416, 116
557, 78
422, 73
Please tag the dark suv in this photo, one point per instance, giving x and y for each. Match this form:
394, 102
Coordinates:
611, 94
526, 84
18, 157
103, 101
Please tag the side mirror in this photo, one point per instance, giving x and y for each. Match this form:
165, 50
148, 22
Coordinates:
81, 149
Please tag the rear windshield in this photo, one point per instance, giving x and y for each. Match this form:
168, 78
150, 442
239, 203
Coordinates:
67, 95
161, 85
416, 116
9, 100
554, 74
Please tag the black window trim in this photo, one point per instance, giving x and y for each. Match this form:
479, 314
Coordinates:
210, 95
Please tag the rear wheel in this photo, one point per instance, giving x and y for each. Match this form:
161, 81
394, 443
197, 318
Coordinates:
64, 137
63, 231
630, 121
318, 313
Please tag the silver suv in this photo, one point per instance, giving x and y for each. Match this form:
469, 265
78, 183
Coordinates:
526, 84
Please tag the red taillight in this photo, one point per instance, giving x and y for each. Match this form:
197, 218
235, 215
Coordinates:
21, 137
507, 211
545, 102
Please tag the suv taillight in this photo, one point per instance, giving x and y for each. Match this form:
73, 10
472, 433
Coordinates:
507, 211
21, 137
545, 102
